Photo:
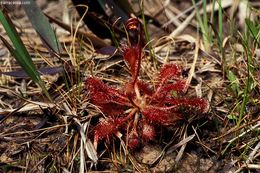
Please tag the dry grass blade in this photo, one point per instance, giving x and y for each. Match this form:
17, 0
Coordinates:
82, 157
183, 25
182, 14
31, 106
235, 129
181, 151
181, 143
33, 131
250, 159
192, 69
245, 132
96, 41
168, 150
109, 63
241, 135
225, 4
91, 152
87, 145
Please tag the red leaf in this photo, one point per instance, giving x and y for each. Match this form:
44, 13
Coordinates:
148, 132
144, 88
133, 139
97, 90
196, 104
162, 116
102, 94
169, 71
177, 86
133, 56
164, 90
112, 109
107, 128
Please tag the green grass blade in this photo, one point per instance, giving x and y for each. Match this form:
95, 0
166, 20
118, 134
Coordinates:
19, 51
42, 26
220, 27
254, 30
147, 36
198, 17
203, 24
249, 82
234, 82
205, 17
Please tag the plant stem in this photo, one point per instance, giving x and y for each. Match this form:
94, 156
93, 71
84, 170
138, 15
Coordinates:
147, 36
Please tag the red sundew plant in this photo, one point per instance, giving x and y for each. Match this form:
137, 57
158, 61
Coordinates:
136, 109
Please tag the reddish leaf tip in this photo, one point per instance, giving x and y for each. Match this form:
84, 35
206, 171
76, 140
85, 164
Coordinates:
170, 71
133, 140
148, 132
107, 128
132, 24
133, 57
161, 116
